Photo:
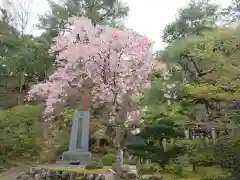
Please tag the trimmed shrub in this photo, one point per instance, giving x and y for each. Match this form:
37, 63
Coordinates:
94, 165
148, 168
108, 159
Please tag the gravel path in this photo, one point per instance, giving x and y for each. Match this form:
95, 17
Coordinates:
13, 173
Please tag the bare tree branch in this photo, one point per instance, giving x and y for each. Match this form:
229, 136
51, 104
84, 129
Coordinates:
20, 13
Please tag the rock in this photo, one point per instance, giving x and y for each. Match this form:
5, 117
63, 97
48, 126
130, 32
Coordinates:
65, 175
25, 176
157, 177
98, 177
108, 176
20, 175
146, 177
72, 176
37, 176
129, 172
89, 177
45, 174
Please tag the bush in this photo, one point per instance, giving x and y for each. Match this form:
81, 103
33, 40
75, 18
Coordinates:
226, 150
94, 165
19, 132
67, 116
108, 159
178, 170
148, 168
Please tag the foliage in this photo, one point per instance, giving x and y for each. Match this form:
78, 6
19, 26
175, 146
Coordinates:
205, 62
163, 101
152, 147
192, 19
226, 150
19, 133
198, 152
108, 159
24, 59
230, 14
94, 165
209, 77
201, 85
67, 116
29, 56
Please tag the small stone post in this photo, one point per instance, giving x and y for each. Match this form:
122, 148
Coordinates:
213, 133
186, 132
164, 143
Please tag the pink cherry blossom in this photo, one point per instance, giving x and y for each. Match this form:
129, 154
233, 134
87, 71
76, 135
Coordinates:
117, 62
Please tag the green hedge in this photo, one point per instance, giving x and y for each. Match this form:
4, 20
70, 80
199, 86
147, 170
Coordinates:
94, 165
19, 132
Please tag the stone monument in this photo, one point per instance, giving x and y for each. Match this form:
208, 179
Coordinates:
79, 140
78, 152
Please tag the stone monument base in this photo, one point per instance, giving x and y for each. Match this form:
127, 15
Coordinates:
77, 156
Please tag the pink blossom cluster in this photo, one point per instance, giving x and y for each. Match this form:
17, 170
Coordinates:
117, 62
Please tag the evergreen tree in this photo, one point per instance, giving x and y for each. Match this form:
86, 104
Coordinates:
100, 12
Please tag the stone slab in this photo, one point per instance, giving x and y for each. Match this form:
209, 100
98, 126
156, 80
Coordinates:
77, 156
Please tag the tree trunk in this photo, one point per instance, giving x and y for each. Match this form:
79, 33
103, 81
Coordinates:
194, 167
163, 166
118, 163
22, 81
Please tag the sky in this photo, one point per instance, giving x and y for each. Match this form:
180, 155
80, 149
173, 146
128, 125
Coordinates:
146, 16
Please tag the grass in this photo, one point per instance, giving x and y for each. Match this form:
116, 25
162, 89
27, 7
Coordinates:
188, 174
83, 170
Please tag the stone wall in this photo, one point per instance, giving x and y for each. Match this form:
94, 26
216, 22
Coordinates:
129, 172
47, 174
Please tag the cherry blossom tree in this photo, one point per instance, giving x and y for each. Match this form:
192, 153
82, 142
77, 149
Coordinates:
118, 63
115, 64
